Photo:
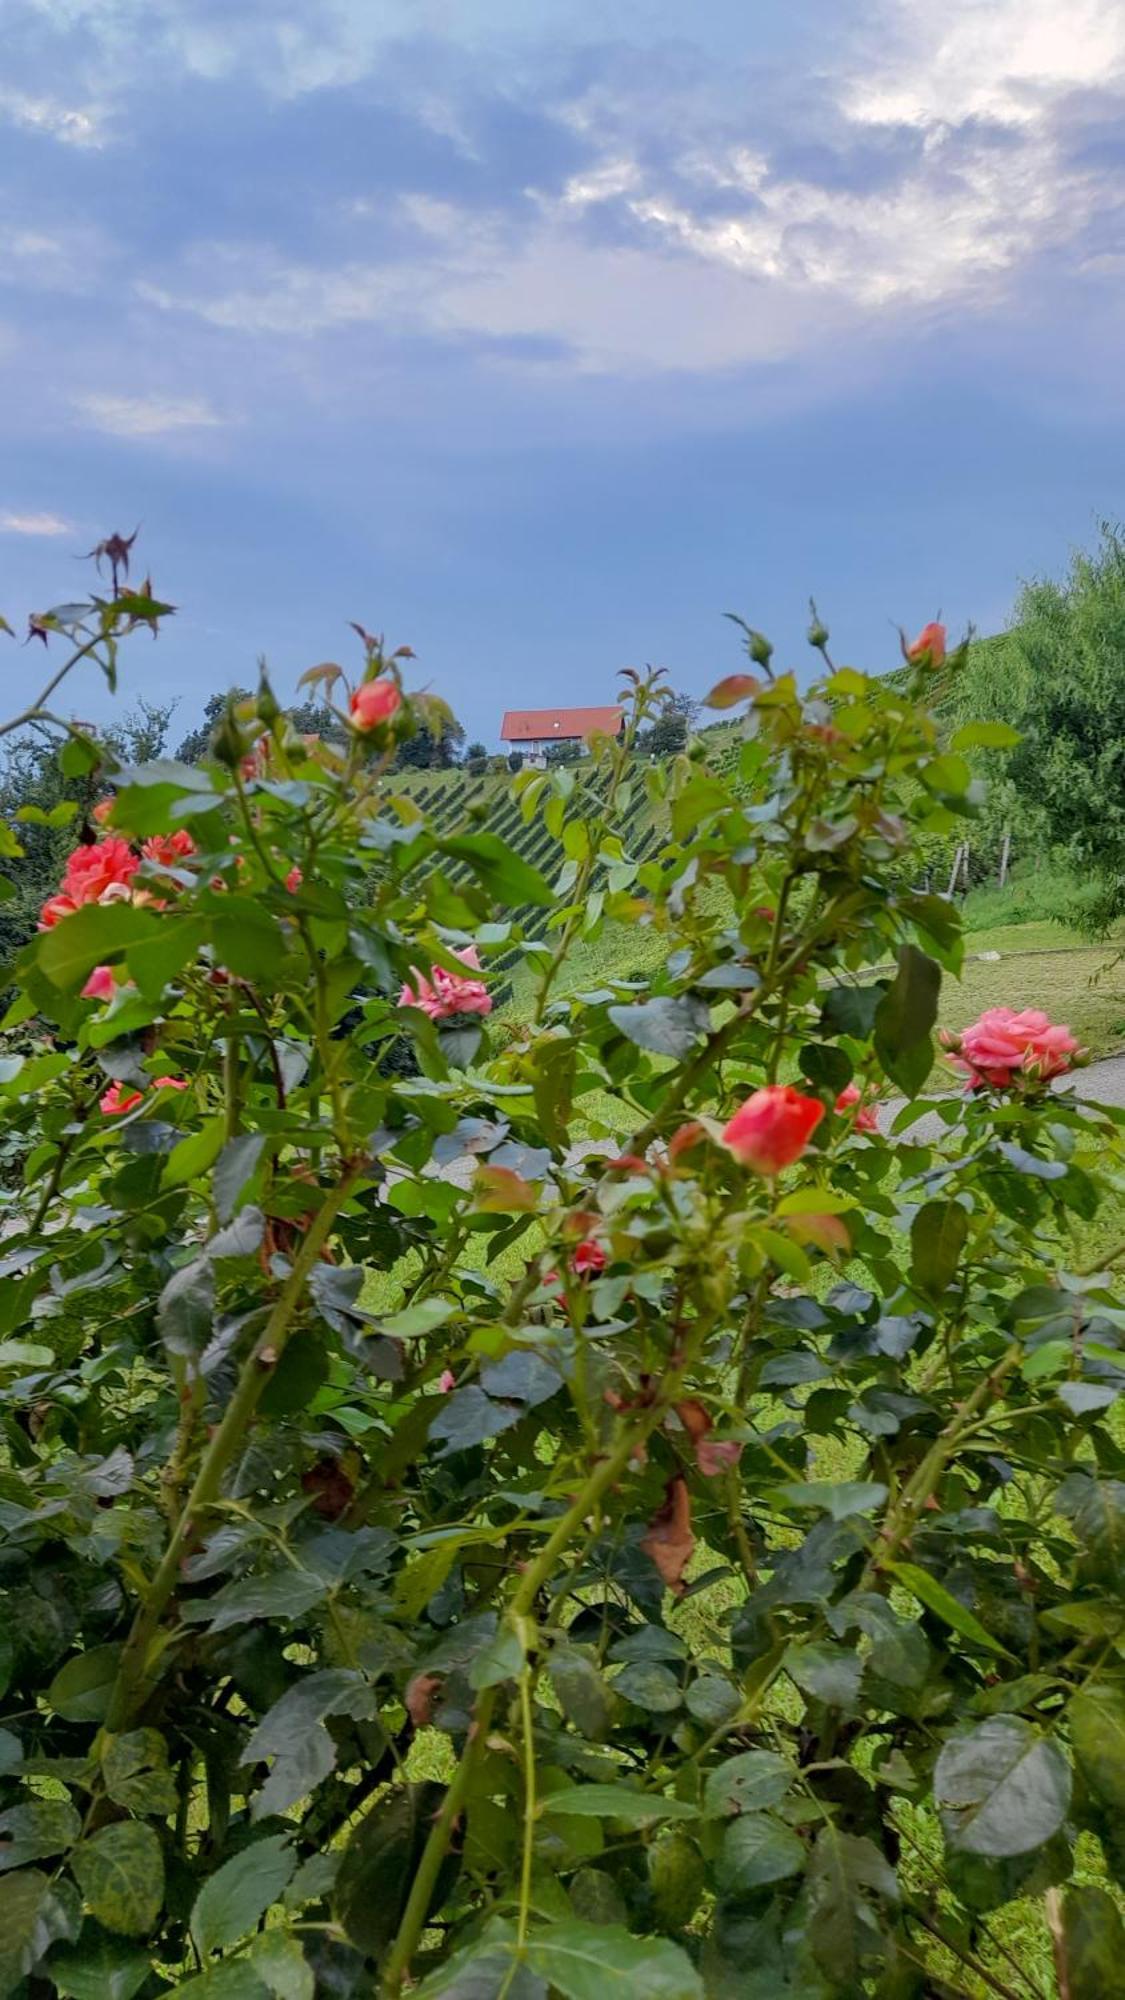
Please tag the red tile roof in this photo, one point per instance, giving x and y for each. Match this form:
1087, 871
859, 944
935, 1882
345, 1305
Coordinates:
561, 725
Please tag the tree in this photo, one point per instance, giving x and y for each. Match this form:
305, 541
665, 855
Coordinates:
515, 761
431, 749
196, 745
669, 733
476, 759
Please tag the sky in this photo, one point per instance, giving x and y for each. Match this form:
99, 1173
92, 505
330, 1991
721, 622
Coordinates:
537, 334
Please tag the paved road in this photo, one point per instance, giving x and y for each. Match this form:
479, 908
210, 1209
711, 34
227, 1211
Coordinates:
1103, 1082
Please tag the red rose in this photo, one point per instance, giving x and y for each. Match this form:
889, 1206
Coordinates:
374, 703
773, 1128
928, 649
589, 1258
100, 984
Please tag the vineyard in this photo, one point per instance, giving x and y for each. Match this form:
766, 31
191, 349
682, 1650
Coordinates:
527, 825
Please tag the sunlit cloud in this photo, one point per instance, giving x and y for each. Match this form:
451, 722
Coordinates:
147, 416
45, 525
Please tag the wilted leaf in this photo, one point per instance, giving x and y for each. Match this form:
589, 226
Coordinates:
669, 1540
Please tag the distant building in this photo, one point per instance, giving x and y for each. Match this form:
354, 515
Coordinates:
534, 729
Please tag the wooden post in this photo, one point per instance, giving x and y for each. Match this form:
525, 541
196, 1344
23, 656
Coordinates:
1005, 850
957, 859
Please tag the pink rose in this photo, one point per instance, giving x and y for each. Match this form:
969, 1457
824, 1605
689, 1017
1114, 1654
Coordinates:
54, 910
100, 984
773, 1128
928, 649
100, 873
447, 1380
167, 850
374, 703
294, 880
866, 1118
1003, 1046
446, 993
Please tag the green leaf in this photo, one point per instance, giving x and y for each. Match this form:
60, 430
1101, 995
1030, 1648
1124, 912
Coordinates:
985, 736
81, 1689
424, 1317
185, 1307
237, 1164
1097, 1732
234, 1899
469, 1417
26, 1929
1002, 1789
616, 1802
757, 1850
100, 1969
838, 1498
379, 1865
944, 1605
842, 1929
333, 1691
937, 1238
603, 1962
500, 871
96, 934
40, 1827
237, 1980
828, 1673
1093, 1945
281, 1963
666, 1026
904, 1019
246, 940
582, 1693
502, 1659
193, 1155
284, 1593
120, 1872
153, 962
484, 1970
136, 1773
712, 1700
749, 1783
852, 1010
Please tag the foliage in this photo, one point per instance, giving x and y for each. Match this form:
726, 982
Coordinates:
349, 1411
671, 728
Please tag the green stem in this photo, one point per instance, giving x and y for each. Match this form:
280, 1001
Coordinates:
133, 1675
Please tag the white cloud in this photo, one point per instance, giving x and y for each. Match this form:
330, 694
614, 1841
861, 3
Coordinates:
72, 125
147, 416
34, 524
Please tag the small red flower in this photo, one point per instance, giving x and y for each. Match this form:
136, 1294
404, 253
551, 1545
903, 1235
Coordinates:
773, 1128
102, 811
589, 1258
866, 1118
446, 993
928, 649
167, 850
374, 703
447, 1380
117, 1100
294, 880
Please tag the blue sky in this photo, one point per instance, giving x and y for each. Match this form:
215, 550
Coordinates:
538, 335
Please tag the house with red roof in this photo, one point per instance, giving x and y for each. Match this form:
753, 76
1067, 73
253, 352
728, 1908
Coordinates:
534, 729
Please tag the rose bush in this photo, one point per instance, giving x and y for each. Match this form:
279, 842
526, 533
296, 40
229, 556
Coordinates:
580, 1512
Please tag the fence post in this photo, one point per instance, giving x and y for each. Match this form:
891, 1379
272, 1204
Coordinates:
1005, 850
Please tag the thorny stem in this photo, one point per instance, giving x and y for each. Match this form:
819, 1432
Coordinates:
131, 1686
35, 709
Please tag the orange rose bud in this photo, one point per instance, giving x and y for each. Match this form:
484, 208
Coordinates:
374, 703
928, 649
773, 1128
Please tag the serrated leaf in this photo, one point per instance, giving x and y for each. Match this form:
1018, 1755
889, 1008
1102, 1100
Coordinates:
582, 1693
185, 1309
904, 1019
757, 1850
234, 1899
100, 1969
944, 1605
136, 1772
235, 1166
1097, 1732
616, 1802
1093, 1945
120, 1872
193, 1155
284, 1593
603, 1962
96, 934
938, 1235
666, 1026
502, 872
36, 1829
81, 1689
1002, 1789
749, 1783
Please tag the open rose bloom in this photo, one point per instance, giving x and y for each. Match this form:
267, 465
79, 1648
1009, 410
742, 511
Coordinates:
444, 993
1004, 1047
773, 1128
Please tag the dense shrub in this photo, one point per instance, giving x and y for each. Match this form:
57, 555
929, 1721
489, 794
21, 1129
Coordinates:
582, 1512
